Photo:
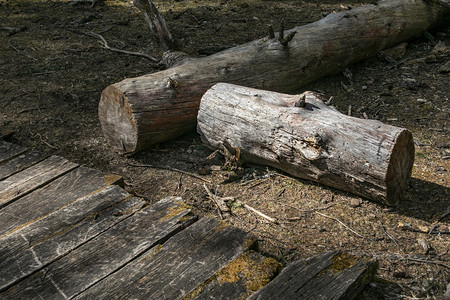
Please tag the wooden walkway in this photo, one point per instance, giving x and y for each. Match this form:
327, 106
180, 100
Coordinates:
70, 232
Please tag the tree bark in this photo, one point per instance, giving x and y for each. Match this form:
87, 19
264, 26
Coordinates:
304, 137
139, 112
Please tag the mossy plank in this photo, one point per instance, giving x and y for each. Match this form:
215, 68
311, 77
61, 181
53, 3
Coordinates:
103, 255
8, 151
184, 263
76, 184
240, 278
325, 276
33, 247
34, 177
20, 162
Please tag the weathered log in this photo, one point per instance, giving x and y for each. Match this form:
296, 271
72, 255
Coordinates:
304, 137
139, 112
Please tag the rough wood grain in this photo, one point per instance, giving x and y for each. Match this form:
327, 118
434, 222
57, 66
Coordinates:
331, 275
139, 112
19, 163
8, 151
315, 142
76, 184
105, 254
177, 267
32, 178
239, 279
33, 247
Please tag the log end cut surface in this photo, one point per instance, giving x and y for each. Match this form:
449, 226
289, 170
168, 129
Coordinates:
400, 167
117, 120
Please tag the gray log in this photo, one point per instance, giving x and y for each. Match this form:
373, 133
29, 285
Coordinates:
315, 142
139, 112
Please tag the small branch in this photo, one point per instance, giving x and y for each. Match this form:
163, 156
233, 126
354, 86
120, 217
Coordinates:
260, 213
47, 143
343, 224
440, 263
215, 199
157, 25
285, 41
313, 209
390, 236
105, 45
13, 30
281, 38
169, 169
20, 52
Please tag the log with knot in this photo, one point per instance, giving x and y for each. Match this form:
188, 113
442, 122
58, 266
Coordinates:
137, 113
304, 137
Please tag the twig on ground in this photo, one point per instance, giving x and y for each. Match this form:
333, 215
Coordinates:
219, 201
311, 210
105, 45
47, 143
425, 261
169, 169
260, 213
389, 236
27, 110
13, 30
343, 224
20, 52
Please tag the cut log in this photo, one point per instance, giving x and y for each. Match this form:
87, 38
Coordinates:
302, 136
139, 112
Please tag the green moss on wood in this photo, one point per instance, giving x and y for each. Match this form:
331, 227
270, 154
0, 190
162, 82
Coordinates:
250, 267
175, 211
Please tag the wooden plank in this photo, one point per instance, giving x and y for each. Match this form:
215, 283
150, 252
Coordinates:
239, 279
105, 254
22, 183
35, 246
8, 151
20, 163
177, 267
331, 275
78, 183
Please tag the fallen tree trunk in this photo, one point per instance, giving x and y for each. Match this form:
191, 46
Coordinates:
139, 112
304, 137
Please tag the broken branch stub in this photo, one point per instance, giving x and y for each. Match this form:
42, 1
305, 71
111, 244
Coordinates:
311, 141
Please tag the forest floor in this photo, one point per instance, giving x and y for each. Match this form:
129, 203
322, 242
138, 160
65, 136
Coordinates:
52, 71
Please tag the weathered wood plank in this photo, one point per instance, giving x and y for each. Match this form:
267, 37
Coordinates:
239, 279
8, 150
33, 247
32, 178
177, 267
20, 163
331, 275
105, 254
76, 184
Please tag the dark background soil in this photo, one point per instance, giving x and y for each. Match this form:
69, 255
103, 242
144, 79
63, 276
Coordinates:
52, 73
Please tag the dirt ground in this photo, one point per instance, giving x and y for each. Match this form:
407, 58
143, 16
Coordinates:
52, 73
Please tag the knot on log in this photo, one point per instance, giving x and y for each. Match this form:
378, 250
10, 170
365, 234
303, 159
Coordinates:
310, 147
301, 102
365, 157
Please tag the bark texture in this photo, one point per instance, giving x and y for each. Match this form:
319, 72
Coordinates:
304, 137
139, 112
